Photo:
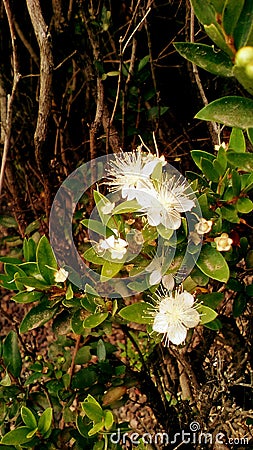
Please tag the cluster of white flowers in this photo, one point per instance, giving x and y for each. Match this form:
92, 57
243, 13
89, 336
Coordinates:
174, 314
162, 201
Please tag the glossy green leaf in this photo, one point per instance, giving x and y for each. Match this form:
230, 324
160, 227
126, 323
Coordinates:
108, 419
236, 183
231, 14
110, 269
237, 141
93, 411
27, 297
243, 30
244, 205
205, 13
243, 161
46, 260
207, 57
215, 325
91, 256
16, 437
249, 290
139, 312
198, 155
241, 74
250, 135
96, 428
206, 314
215, 32
94, 320
229, 213
97, 226
213, 264
37, 316
143, 62
233, 111
209, 170
126, 207
45, 421
33, 282
11, 354
28, 417
101, 202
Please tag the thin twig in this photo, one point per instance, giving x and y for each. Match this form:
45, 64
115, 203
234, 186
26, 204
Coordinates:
213, 128
16, 78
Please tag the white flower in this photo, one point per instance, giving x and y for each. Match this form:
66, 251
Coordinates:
223, 242
108, 207
131, 171
174, 315
61, 275
116, 247
164, 204
203, 226
217, 147
157, 268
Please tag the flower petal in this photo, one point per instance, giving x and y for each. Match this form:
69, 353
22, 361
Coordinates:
160, 324
176, 333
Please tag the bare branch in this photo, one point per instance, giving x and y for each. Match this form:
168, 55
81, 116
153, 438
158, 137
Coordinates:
10, 100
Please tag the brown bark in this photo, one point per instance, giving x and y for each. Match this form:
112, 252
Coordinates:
45, 94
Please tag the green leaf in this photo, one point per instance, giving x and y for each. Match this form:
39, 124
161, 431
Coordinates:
96, 428
231, 14
101, 201
229, 213
101, 351
97, 226
244, 205
209, 170
250, 135
139, 312
84, 378
33, 282
83, 355
213, 264
46, 260
108, 420
237, 141
110, 269
239, 304
94, 320
143, 62
241, 73
91, 256
166, 233
206, 314
37, 316
207, 57
93, 411
215, 32
126, 207
198, 155
233, 111
211, 300
11, 354
17, 436
243, 161
28, 417
243, 29
236, 182
45, 421
215, 325
27, 297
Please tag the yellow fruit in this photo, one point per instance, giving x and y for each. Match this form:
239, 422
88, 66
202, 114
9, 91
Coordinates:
244, 56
